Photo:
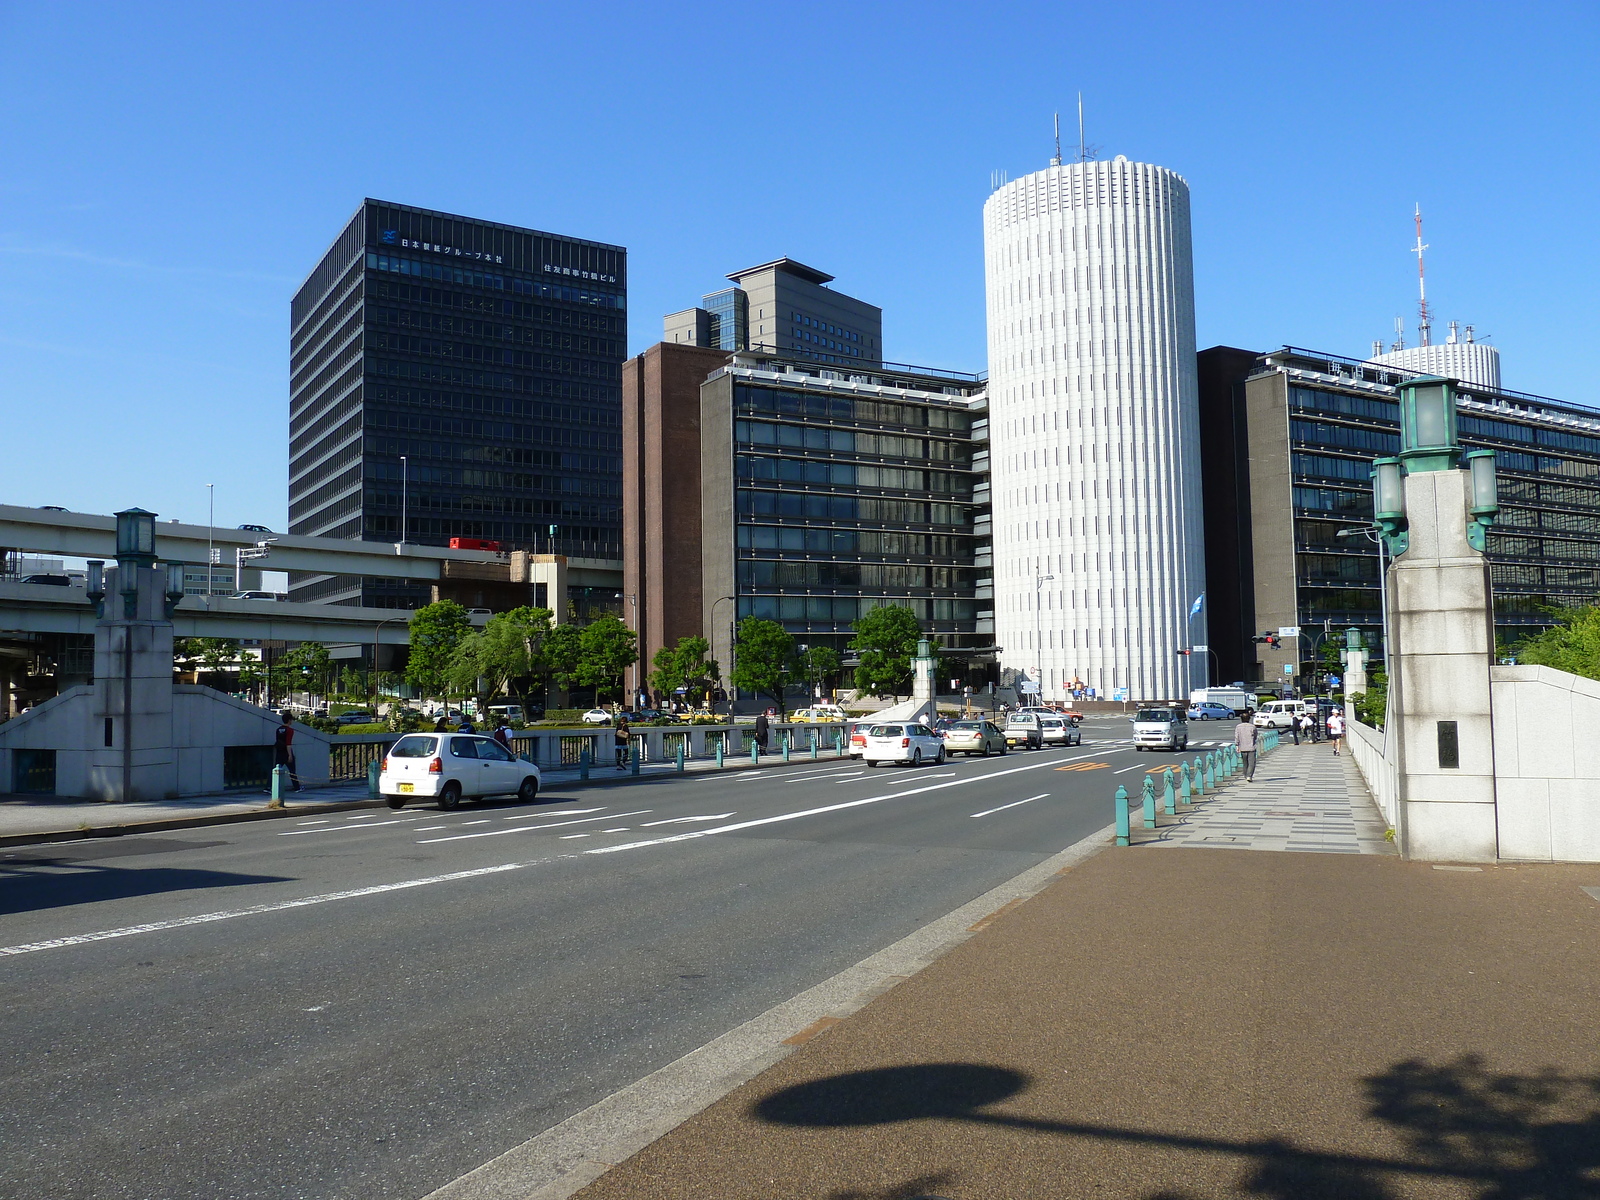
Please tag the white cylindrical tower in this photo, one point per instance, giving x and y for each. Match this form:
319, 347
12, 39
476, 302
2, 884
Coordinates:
1470, 362
1094, 428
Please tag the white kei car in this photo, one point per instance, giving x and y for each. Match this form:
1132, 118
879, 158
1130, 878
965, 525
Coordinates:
914, 744
449, 766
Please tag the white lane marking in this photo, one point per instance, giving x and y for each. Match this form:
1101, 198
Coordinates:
810, 775
623, 829
348, 828
458, 837
318, 821
791, 776
567, 837
361, 817
842, 778
256, 909
986, 812
462, 824
685, 820
555, 812
428, 828
826, 808
1136, 766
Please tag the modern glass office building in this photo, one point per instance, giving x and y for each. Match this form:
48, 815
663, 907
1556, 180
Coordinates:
451, 377
1292, 436
828, 494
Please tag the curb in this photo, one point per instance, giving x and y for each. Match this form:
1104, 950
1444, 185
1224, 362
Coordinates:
575, 1152
300, 810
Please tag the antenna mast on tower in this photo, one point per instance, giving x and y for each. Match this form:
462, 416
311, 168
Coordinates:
1424, 317
1056, 161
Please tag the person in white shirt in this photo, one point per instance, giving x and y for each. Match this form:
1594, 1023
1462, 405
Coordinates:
1336, 729
1244, 740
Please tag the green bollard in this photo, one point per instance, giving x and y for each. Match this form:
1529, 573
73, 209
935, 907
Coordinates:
1211, 773
786, 741
755, 751
722, 743
280, 776
1168, 797
1199, 776
374, 770
680, 756
1149, 803
635, 753
813, 743
1184, 793
1124, 830
838, 743
583, 764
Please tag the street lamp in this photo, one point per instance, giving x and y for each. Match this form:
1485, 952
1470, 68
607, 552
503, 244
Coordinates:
377, 631
1038, 626
633, 602
1374, 534
731, 642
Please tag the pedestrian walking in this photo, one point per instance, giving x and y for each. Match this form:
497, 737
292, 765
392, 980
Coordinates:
624, 737
1244, 741
283, 749
1302, 725
441, 725
502, 734
1336, 729
761, 732
466, 726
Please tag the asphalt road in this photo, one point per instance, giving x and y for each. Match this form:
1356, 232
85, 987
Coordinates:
370, 1005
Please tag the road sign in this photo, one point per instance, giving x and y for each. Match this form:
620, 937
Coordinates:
1119, 694
1198, 649
1027, 685
1288, 631
1333, 681
1288, 668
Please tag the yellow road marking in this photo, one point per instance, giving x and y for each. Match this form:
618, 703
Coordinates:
1088, 766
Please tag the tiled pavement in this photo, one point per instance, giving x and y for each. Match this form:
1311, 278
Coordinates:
1303, 798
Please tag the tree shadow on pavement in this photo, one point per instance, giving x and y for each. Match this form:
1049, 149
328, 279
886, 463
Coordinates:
1512, 1136
29, 889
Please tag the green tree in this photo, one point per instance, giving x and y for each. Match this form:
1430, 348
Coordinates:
886, 638
436, 631
606, 648
1371, 706
510, 650
763, 652
563, 650
1571, 645
687, 665
215, 654
819, 664
308, 668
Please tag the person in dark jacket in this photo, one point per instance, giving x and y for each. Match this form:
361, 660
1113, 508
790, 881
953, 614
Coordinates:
283, 749
762, 732
624, 738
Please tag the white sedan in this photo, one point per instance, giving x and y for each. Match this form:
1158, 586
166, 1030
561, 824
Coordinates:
450, 766
914, 744
597, 716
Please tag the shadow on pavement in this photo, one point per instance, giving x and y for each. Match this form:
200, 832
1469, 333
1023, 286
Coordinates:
67, 882
1514, 1136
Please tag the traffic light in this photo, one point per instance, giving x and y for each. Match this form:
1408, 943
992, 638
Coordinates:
1182, 653
1270, 639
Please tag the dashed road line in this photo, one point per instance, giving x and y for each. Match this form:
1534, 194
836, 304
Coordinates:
989, 811
459, 837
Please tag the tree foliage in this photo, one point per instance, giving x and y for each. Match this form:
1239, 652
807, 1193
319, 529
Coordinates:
1571, 645
762, 655
509, 653
819, 664
437, 630
886, 638
606, 648
687, 665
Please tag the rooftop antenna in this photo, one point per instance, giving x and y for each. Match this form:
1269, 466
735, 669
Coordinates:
1424, 317
1399, 334
1086, 152
1056, 161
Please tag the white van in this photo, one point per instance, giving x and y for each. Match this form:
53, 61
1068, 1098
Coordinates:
1279, 714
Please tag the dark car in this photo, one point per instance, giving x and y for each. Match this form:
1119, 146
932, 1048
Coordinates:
255, 529
52, 580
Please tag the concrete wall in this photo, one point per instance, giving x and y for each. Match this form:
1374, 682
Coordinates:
1547, 756
1275, 602
1367, 747
203, 723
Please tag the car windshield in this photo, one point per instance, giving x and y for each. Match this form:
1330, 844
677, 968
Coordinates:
1154, 714
413, 746
975, 725
886, 731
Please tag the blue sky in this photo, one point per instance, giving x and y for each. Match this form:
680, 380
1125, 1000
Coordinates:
170, 172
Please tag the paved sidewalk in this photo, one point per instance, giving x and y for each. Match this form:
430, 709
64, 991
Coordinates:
1193, 1027
1303, 798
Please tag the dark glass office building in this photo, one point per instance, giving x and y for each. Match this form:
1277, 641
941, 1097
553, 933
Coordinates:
1289, 442
489, 358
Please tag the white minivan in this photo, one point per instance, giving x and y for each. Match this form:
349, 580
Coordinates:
449, 766
1279, 714
913, 744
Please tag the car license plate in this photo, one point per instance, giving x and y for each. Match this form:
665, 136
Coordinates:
407, 787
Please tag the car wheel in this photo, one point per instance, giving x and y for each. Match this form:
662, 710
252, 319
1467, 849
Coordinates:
529, 791
939, 758
395, 802
450, 796
1005, 750
985, 751
916, 758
